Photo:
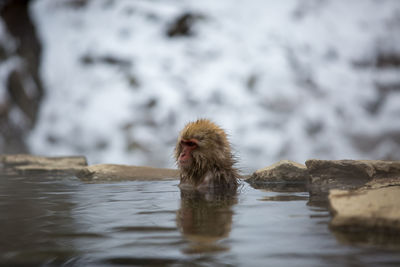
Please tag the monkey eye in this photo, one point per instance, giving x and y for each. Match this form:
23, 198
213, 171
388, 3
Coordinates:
191, 144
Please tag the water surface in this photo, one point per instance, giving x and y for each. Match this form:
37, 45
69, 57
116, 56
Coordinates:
51, 220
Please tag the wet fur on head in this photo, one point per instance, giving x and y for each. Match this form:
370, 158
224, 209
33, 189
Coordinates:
213, 155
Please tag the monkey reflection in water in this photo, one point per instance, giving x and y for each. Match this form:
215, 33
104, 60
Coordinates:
208, 183
204, 220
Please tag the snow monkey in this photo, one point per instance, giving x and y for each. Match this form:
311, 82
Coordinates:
203, 155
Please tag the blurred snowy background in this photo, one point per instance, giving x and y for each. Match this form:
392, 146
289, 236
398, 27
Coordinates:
118, 79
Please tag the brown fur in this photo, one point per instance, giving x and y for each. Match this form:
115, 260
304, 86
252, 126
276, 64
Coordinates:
213, 161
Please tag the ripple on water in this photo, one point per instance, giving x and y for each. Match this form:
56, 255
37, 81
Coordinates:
46, 219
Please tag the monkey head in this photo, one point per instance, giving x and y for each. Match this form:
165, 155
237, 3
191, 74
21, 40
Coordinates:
201, 144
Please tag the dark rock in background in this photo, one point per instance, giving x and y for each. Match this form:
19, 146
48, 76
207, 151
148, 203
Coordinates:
183, 25
20, 55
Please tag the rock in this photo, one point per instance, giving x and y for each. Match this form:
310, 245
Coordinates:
26, 159
20, 63
348, 174
78, 166
26, 163
374, 207
284, 171
183, 24
113, 172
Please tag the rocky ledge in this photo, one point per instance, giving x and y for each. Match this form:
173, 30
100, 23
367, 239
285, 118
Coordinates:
323, 175
114, 172
348, 174
284, 171
31, 163
78, 167
363, 194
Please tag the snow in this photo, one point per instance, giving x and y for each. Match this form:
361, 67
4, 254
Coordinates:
279, 76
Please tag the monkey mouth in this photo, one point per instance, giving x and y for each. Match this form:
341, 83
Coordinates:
184, 163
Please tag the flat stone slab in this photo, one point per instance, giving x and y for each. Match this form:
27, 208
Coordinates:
77, 165
115, 172
349, 174
374, 207
284, 171
26, 163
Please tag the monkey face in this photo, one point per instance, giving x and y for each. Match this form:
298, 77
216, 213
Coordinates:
186, 148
